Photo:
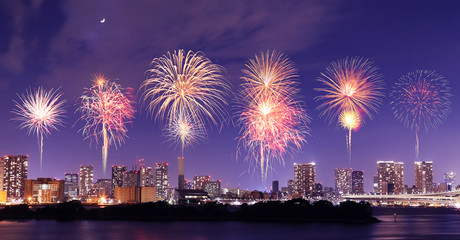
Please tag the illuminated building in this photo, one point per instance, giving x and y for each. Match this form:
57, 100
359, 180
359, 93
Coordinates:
146, 177
117, 175
71, 185
199, 180
3, 197
357, 182
304, 178
291, 187
102, 188
343, 180
390, 177
449, 180
131, 178
86, 180
212, 188
13, 172
128, 194
181, 179
424, 176
191, 196
44, 190
148, 194
161, 180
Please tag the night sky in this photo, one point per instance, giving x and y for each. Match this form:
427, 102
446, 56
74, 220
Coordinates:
63, 43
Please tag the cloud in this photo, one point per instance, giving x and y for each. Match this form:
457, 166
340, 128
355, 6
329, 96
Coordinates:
134, 33
13, 60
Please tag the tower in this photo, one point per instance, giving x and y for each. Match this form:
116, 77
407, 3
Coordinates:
181, 180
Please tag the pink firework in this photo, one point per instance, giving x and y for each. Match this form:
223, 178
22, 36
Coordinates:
106, 110
271, 119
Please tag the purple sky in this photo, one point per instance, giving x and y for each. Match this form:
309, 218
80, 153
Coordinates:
49, 45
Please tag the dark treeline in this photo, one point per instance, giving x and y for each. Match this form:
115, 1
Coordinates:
297, 210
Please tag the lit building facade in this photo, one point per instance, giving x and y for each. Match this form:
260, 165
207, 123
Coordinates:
212, 188
343, 180
86, 180
117, 175
131, 178
103, 188
390, 177
13, 172
71, 185
305, 178
198, 181
128, 194
161, 180
146, 177
44, 190
357, 182
449, 180
424, 176
148, 194
291, 187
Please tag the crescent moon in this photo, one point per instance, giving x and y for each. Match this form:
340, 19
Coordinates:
103, 20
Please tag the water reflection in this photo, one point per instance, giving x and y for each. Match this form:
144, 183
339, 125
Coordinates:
410, 224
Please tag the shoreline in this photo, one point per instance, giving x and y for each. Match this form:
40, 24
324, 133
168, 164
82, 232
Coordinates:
297, 210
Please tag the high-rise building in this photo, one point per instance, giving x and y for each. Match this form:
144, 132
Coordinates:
181, 179
390, 177
103, 188
212, 188
86, 179
146, 175
304, 178
117, 175
275, 186
198, 181
131, 178
291, 187
357, 182
71, 185
44, 190
449, 180
343, 180
13, 172
424, 176
161, 180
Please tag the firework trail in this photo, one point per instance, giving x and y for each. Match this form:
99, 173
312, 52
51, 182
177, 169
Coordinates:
349, 120
350, 84
421, 99
186, 90
271, 119
106, 110
40, 112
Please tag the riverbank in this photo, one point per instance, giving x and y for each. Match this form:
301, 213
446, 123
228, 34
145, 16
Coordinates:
296, 210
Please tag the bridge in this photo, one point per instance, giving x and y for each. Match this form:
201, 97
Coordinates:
443, 198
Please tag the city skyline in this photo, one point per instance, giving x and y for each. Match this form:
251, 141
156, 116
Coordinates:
328, 32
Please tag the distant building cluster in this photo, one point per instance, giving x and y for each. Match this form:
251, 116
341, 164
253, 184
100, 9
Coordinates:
147, 184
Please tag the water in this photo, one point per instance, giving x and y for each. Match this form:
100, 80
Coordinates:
411, 224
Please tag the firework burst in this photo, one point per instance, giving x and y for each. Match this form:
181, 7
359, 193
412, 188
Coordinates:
184, 132
271, 119
350, 85
186, 87
40, 112
106, 110
421, 99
